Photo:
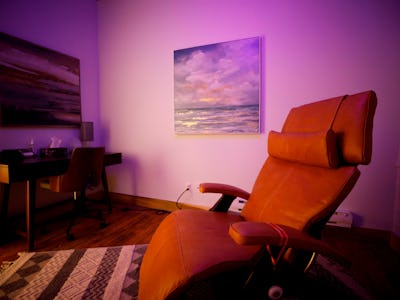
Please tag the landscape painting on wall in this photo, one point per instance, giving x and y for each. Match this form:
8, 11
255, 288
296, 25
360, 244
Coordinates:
38, 86
217, 88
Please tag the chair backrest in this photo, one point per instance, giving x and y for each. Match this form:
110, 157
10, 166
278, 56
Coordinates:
312, 163
86, 166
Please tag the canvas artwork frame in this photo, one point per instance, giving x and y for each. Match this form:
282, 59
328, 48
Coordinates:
38, 86
217, 88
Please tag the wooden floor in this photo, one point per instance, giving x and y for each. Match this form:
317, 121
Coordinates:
375, 265
126, 225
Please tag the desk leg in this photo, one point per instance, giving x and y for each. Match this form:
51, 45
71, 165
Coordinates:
4, 213
30, 213
105, 187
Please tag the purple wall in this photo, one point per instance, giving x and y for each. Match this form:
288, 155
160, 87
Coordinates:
311, 50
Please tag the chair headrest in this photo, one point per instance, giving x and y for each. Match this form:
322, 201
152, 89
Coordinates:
311, 148
349, 117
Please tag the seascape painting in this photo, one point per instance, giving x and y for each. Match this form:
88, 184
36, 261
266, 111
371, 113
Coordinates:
38, 86
217, 88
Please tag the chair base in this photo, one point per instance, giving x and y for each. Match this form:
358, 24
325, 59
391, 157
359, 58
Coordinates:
81, 210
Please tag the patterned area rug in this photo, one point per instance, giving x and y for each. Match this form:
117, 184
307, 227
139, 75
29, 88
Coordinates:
94, 273
112, 273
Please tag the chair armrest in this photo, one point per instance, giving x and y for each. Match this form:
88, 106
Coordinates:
258, 233
224, 189
229, 193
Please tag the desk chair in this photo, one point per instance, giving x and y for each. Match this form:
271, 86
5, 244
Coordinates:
311, 168
84, 170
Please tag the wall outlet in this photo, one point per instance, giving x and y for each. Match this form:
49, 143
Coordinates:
341, 218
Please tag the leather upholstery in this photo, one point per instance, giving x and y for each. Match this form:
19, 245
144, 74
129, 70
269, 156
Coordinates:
294, 189
261, 233
284, 191
352, 123
188, 246
311, 148
297, 195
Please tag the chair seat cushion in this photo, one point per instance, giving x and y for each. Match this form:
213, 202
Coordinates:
190, 245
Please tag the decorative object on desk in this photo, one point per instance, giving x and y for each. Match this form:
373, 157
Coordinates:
38, 86
15, 155
54, 152
217, 88
55, 142
27, 152
86, 133
11, 156
112, 273
32, 146
54, 149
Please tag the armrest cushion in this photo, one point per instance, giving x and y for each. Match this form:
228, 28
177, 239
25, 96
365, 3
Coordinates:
258, 233
312, 148
224, 189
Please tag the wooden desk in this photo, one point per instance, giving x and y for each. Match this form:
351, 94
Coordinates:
31, 169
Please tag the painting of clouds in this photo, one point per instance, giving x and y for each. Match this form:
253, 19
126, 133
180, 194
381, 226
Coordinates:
217, 88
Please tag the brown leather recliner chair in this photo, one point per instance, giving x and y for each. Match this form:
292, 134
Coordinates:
311, 168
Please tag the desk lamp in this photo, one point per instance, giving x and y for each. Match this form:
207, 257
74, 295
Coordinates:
86, 134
